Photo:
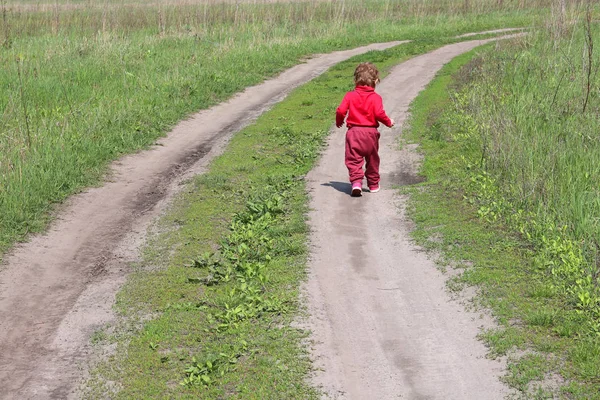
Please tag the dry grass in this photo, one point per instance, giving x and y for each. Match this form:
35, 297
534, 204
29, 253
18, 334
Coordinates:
30, 17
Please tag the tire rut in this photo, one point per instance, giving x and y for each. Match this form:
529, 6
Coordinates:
384, 326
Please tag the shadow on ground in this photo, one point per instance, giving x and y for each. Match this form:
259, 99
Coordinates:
389, 179
343, 187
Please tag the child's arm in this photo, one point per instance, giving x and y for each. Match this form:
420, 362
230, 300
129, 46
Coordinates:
341, 111
380, 114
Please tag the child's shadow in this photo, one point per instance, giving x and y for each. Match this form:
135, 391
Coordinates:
343, 187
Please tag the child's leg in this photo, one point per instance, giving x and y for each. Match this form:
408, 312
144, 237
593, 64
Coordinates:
372, 170
354, 159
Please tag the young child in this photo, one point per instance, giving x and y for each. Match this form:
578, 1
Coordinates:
365, 111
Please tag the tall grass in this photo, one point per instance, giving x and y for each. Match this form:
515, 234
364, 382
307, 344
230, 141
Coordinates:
90, 17
541, 138
535, 104
83, 82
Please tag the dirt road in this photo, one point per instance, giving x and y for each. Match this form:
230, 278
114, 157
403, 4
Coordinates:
384, 325
388, 302
58, 288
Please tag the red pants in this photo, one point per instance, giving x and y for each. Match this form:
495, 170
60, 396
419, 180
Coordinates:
362, 144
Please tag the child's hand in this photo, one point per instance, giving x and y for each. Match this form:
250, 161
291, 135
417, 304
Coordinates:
393, 123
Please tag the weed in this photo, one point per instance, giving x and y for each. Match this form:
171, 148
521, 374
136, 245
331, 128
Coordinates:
503, 340
203, 373
528, 368
547, 209
541, 317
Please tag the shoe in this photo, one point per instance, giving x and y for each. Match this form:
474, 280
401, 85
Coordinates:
356, 190
374, 189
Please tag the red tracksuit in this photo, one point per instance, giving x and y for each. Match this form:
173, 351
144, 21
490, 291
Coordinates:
365, 112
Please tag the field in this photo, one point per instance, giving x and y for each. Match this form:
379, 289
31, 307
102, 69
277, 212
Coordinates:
84, 83
80, 87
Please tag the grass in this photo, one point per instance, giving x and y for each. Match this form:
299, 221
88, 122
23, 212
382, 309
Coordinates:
547, 189
209, 313
80, 88
482, 147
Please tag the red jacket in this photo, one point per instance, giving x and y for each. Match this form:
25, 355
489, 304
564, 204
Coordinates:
364, 108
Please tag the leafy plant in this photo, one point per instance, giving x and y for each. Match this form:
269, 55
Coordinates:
202, 373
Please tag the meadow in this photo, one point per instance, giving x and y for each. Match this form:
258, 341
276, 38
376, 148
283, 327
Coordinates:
536, 122
83, 83
224, 294
511, 159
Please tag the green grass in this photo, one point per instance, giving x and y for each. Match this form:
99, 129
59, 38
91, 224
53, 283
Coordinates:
465, 122
80, 88
212, 317
533, 123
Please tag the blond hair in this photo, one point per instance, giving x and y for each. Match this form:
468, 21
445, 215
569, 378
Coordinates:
366, 74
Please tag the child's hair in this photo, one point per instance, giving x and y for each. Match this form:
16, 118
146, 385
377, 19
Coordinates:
366, 74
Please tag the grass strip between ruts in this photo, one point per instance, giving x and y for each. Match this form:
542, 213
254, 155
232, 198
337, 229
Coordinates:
549, 354
209, 312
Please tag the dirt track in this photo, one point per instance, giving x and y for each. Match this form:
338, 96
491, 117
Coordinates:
58, 288
384, 325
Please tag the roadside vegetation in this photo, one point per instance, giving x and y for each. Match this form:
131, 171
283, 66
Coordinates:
512, 161
210, 311
83, 83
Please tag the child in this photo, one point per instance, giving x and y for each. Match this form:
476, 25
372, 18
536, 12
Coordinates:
365, 112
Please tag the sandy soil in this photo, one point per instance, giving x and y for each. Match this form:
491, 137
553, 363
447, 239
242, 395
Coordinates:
384, 325
58, 288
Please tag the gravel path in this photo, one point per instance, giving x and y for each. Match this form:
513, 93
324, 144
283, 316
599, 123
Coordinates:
384, 325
